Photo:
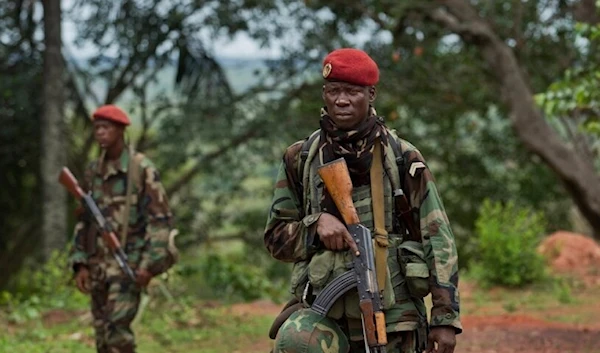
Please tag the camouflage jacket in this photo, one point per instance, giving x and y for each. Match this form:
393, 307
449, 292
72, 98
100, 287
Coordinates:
150, 218
290, 234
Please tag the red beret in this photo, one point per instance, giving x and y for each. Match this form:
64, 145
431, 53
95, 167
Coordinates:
112, 113
352, 66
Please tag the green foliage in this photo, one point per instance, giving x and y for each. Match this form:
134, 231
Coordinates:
563, 292
507, 240
194, 326
41, 287
574, 99
233, 278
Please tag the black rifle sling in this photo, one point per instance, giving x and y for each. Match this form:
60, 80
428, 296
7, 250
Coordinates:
402, 204
400, 162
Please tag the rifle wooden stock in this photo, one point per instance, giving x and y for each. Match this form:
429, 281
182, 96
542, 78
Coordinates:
69, 181
337, 181
380, 325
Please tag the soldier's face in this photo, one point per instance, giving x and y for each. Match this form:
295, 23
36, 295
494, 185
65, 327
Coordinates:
107, 133
347, 104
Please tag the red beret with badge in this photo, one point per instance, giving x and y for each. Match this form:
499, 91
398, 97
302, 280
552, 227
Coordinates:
352, 66
112, 113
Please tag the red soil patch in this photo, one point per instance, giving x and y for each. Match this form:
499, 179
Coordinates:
479, 322
528, 340
260, 307
59, 316
574, 255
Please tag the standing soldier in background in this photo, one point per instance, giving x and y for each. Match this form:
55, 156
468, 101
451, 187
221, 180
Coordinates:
414, 249
127, 189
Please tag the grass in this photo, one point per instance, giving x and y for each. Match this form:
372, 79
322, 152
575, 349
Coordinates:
554, 301
163, 328
192, 325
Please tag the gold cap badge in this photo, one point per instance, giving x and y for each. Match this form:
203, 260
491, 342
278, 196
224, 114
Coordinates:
326, 70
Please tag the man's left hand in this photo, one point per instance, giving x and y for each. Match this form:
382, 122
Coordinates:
142, 277
444, 336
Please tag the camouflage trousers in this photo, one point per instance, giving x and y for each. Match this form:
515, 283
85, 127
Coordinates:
114, 306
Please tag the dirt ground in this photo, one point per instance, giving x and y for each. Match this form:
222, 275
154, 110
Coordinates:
514, 333
569, 254
509, 333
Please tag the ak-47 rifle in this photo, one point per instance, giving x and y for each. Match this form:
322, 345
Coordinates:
336, 177
69, 181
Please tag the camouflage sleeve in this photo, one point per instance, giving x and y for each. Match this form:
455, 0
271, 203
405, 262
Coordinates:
438, 241
290, 235
77, 252
155, 207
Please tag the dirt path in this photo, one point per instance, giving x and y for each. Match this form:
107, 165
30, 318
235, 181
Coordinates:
523, 334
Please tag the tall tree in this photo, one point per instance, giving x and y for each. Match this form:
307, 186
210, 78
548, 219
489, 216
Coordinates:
20, 116
576, 171
53, 154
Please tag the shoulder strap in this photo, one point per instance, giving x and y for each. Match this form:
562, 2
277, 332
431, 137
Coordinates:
305, 150
133, 176
400, 198
136, 166
378, 201
307, 154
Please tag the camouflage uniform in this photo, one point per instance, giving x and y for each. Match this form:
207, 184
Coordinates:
115, 299
290, 236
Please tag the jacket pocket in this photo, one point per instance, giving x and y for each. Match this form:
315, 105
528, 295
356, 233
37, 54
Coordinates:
299, 278
414, 267
321, 268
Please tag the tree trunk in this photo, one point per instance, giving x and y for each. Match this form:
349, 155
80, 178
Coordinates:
577, 174
53, 154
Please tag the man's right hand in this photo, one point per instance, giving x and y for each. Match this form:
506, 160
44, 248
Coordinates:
82, 280
334, 235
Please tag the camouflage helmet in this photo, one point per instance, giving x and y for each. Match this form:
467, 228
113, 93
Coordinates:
308, 332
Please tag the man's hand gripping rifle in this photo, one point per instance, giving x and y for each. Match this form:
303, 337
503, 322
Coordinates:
69, 181
336, 177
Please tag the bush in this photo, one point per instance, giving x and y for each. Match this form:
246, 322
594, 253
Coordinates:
506, 242
43, 287
234, 279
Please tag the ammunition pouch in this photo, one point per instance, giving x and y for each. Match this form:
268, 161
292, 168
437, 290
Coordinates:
328, 265
299, 278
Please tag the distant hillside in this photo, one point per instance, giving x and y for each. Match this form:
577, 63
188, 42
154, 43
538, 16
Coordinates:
240, 73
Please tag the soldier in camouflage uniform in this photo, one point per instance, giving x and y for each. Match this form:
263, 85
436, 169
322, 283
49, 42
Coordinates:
304, 225
115, 299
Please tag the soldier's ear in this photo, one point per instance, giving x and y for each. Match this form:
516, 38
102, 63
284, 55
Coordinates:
372, 94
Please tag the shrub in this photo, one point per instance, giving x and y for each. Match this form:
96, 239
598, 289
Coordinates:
234, 279
42, 287
506, 243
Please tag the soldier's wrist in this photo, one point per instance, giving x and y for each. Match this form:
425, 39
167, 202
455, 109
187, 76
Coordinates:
313, 243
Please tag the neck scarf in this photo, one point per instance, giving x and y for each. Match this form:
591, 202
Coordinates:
355, 146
